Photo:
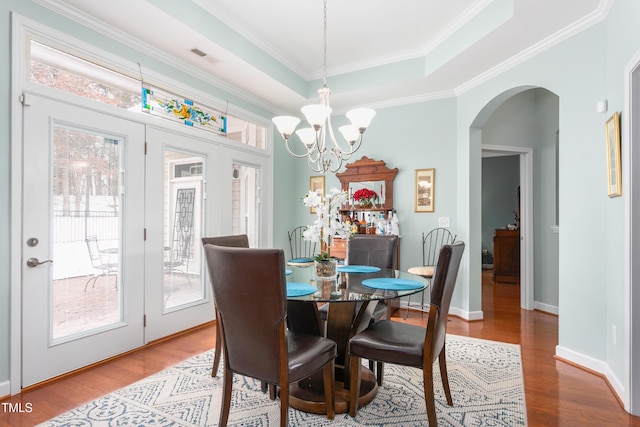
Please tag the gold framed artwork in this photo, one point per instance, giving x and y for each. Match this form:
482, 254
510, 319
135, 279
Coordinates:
614, 174
316, 183
425, 187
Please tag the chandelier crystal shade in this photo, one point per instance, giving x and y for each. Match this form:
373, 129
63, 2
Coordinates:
323, 152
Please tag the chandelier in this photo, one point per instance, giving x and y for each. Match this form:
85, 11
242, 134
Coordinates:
323, 152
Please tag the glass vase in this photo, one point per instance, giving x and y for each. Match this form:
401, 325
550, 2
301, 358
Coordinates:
325, 269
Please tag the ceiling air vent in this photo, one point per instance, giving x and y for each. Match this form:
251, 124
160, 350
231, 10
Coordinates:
198, 52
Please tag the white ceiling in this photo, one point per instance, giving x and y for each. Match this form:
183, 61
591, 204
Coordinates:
379, 52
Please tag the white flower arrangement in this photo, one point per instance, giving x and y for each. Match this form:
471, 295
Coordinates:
328, 223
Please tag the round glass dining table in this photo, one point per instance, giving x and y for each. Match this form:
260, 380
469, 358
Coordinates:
352, 297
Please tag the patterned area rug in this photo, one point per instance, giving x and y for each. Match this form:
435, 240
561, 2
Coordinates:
485, 378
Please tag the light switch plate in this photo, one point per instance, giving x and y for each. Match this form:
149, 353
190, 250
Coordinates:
443, 221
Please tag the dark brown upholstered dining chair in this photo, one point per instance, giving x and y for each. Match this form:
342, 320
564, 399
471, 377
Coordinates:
376, 251
412, 345
235, 241
249, 287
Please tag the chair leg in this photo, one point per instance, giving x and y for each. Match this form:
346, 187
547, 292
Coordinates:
284, 404
429, 396
328, 375
227, 384
354, 384
217, 351
378, 369
380, 372
407, 310
442, 361
273, 390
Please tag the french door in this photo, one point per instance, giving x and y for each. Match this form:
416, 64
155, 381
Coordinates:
182, 173
82, 289
111, 236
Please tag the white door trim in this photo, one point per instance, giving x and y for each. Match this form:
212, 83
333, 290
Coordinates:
631, 164
526, 218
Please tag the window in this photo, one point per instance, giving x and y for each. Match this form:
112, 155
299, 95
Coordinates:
54, 68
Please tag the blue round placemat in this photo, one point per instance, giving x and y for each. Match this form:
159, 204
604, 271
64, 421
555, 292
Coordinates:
295, 289
358, 269
301, 260
392, 284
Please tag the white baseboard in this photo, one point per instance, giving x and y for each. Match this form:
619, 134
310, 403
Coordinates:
581, 359
547, 308
466, 315
594, 365
5, 389
617, 386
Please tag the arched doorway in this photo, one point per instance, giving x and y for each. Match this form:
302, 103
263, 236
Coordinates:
524, 121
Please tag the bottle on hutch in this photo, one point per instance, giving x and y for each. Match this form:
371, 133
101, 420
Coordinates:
382, 225
363, 225
395, 224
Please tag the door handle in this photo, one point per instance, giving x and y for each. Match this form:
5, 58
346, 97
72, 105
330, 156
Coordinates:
34, 262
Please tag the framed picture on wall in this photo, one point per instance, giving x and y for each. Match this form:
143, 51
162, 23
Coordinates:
614, 174
316, 183
425, 186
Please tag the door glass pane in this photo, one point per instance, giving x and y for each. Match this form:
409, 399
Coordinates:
183, 214
85, 232
246, 202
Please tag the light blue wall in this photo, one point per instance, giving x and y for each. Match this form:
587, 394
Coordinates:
410, 137
591, 268
623, 43
575, 72
500, 181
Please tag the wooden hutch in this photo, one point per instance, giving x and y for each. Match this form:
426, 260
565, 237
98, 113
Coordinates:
366, 173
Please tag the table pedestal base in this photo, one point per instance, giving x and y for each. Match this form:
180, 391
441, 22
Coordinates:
306, 396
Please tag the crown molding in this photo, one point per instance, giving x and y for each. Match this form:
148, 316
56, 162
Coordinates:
415, 99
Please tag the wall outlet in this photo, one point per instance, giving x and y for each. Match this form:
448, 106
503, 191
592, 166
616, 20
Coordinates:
613, 334
443, 221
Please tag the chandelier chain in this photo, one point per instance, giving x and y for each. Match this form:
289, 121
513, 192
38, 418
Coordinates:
322, 150
324, 41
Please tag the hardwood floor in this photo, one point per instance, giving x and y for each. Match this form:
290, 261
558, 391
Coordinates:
557, 393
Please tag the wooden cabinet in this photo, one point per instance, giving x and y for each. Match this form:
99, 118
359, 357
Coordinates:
339, 248
506, 253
